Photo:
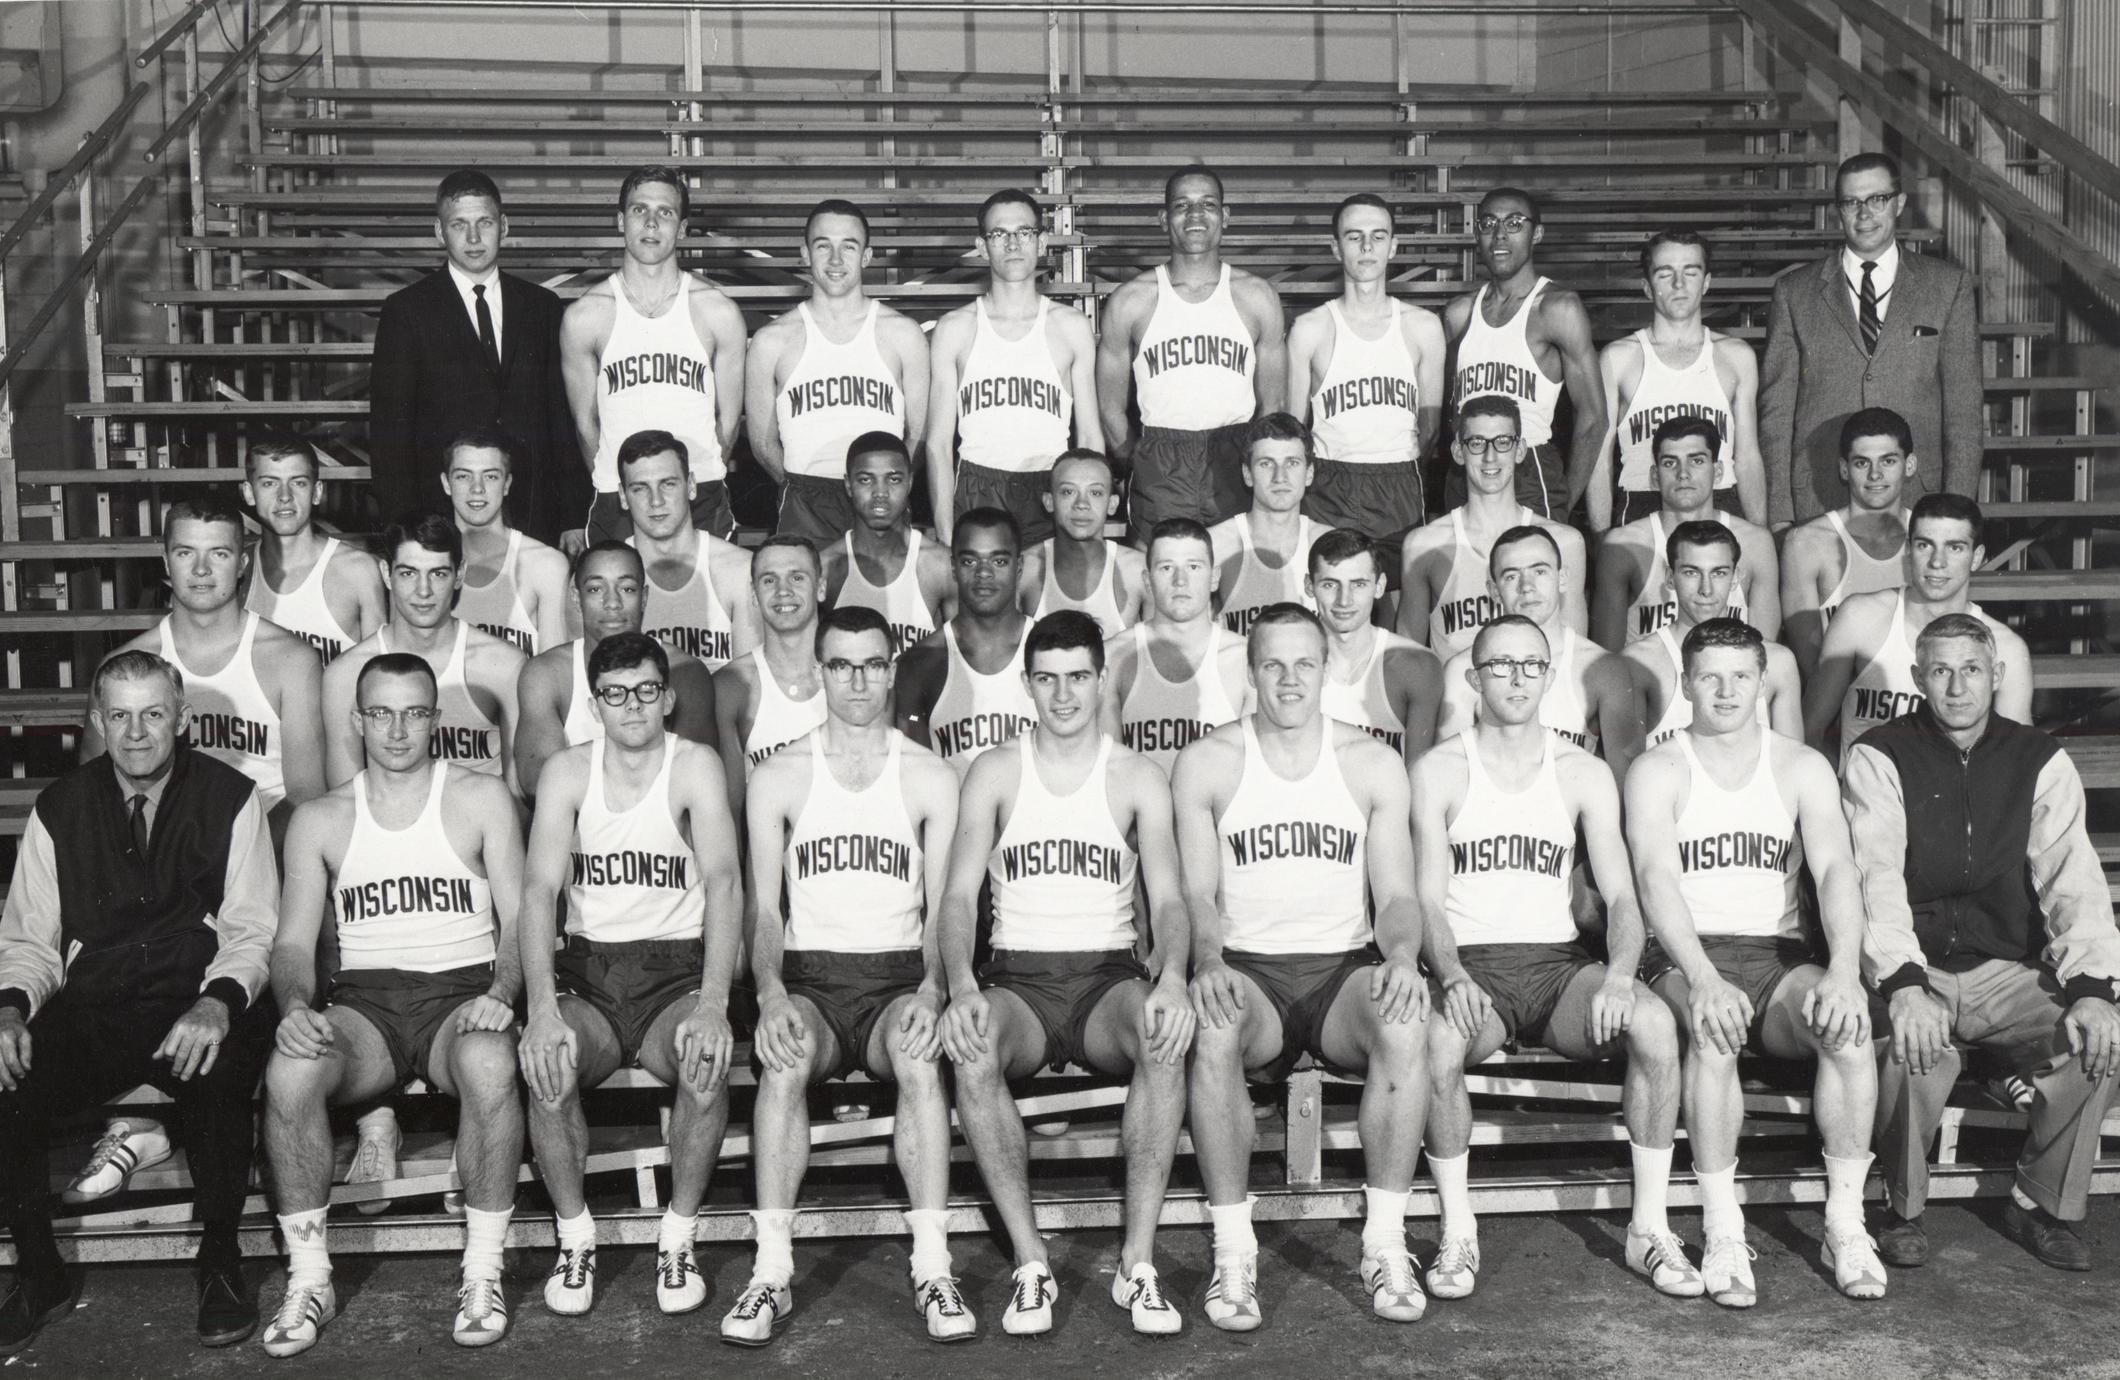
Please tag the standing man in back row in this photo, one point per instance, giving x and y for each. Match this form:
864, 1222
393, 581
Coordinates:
1207, 352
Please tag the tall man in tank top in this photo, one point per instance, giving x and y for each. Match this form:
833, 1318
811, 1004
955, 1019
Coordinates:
1077, 567
319, 588
774, 696
634, 829
962, 691
1520, 337
1444, 593
838, 366
1061, 823
515, 586
1634, 596
1386, 685
1856, 549
420, 862
853, 824
1294, 831
1263, 553
697, 599
1676, 367
1497, 811
1015, 380
653, 347
1365, 372
1174, 678
883, 562
1200, 347
476, 673
1702, 558
1722, 819
1865, 673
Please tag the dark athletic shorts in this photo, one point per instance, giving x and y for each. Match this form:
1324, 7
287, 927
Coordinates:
1195, 474
1541, 482
1754, 965
407, 1009
710, 513
1630, 505
1525, 982
1302, 988
1021, 495
1062, 989
630, 984
851, 992
1378, 500
814, 508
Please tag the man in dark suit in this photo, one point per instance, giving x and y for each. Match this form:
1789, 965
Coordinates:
1868, 326
470, 346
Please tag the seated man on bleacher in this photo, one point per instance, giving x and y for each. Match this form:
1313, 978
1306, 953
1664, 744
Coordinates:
1991, 926
1290, 825
420, 861
515, 586
634, 827
852, 823
1059, 821
1722, 818
1496, 810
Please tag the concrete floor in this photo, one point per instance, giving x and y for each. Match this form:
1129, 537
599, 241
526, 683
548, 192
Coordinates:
1555, 1299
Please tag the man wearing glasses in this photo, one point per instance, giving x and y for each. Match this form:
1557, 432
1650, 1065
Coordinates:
1868, 326
1015, 381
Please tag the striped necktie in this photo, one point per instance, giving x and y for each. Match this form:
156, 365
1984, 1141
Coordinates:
1872, 324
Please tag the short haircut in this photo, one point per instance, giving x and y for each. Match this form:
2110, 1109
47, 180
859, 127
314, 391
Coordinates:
1064, 631
480, 438
1011, 196
1277, 616
835, 206
879, 443
134, 665
854, 618
609, 548
1691, 239
623, 652
278, 445
1530, 202
1363, 199
422, 528
1721, 632
991, 519
206, 506
1507, 620
1179, 529
1170, 184
1278, 426
1528, 531
1680, 427
1074, 453
1699, 532
396, 664
655, 172
1875, 421
781, 541
462, 183
1955, 625
1946, 507
1490, 405
1343, 544
642, 444
1866, 162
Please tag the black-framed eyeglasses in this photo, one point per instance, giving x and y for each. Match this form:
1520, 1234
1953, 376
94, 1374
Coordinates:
419, 716
1508, 668
643, 694
1480, 445
1875, 203
1513, 222
842, 670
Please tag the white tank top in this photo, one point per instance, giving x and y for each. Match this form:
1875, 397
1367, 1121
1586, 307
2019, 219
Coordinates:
690, 618
1465, 603
1738, 853
635, 876
227, 714
836, 393
496, 606
1694, 390
1013, 409
900, 602
1511, 854
1657, 605
405, 899
1678, 713
1885, 687
1497, 360
1561, 708
1367, 407
1194, 369
303, 610
1062, 873
1161, 717
854, 864
1255, 586
1860, 572
463, 733
975, 712
584, 724
780, 718
1364, 701
655, 374
1294, 858
1103, 601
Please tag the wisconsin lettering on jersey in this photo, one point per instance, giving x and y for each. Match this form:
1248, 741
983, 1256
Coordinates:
1040, 395
979, 731
659, 366
1162, 735
1735, 848
1293, 839
1240, 620
1511, 853
328, 648
1379, 391
633, 867
213, 732
1883, 705
399, 895
1392, 738
514, 636
1061, 858
704, 643
1642, 425
854, 853
1467, 615
1497, 376
757, 755
846, 390
1653, 618
463, 743
1213, 351
1581, 740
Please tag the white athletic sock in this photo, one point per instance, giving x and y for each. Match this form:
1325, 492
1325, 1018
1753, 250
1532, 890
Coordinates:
776, 1246
308, 1254
675, 1230
1719, 1213
1844, 1181
576, 1233
2022, 1199
1450, 1186
485, 1237
1384, 1228
1652, 1188
931, 1243
1232, 1223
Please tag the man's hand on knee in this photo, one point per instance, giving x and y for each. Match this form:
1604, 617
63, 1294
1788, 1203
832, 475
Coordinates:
1921, 1030
547, 1053
484, 1012
14, 1048
2093, 1026
194, 1042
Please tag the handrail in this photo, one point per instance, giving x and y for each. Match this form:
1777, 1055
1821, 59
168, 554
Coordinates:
81, 268
184, 24
57, 180
211, 92
1382, 8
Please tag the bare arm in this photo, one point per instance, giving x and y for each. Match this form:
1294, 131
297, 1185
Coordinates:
501, 844
1306, 343
1082, 379
1123, 315
1619, 573
1434, 792
559, 798
1155, 840
1803, 627
343, 753
541, 731
947, 357
704, 797
1416, 593
1575, 577
2013, 692
761, 421
1762, 584
1270, 382
1784, 692
977, 806
301, 755
1568, 326
909, 343
1598, 815
546, 577
724, 327
1431, 358
1745, 458
582, 332
1610, 362
693, 718
303, 892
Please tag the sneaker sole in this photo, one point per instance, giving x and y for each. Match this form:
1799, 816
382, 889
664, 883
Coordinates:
1450, 1291
731, 1339
670, 1312
282, 1351
1025, 1332
475, 1343
557, 1311
954, 1338
1250, 1324
1731, 1299
1832, 1263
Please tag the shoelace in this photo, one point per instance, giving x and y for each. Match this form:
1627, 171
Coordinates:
1235, 1284
574, 1267
1030, 1290
303, 1303
1667, 1249
753, 1301
675, 1265
1455, 1257
942, 1295
367, 1162
480, 1298
107, 1150
1397, 1277
1726, 1246
1147, 1293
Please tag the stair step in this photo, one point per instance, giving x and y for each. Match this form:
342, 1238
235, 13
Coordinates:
211, 474
2098, 671
2062, 586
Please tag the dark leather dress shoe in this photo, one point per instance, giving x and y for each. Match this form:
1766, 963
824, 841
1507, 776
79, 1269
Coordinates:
227, 1314
30, 1304
1902, 1242
2050, 1240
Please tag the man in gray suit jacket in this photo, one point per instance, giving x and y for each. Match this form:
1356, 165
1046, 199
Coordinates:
1868, 326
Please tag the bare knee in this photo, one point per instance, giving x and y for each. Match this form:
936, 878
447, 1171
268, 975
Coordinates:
483, 1063
1448, 1049
1652, 1033
1399, 1050
294, 1085
1219, 1045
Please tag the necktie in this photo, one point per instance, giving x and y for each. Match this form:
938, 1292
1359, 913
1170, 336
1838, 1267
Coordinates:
1872, 324
485, 328
139, 823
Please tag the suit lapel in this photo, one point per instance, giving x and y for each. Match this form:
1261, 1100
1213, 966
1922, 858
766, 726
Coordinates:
1910, 301
1834, 284
513, 312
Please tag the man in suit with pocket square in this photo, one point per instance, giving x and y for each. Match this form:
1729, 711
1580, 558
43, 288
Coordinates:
1867, 326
